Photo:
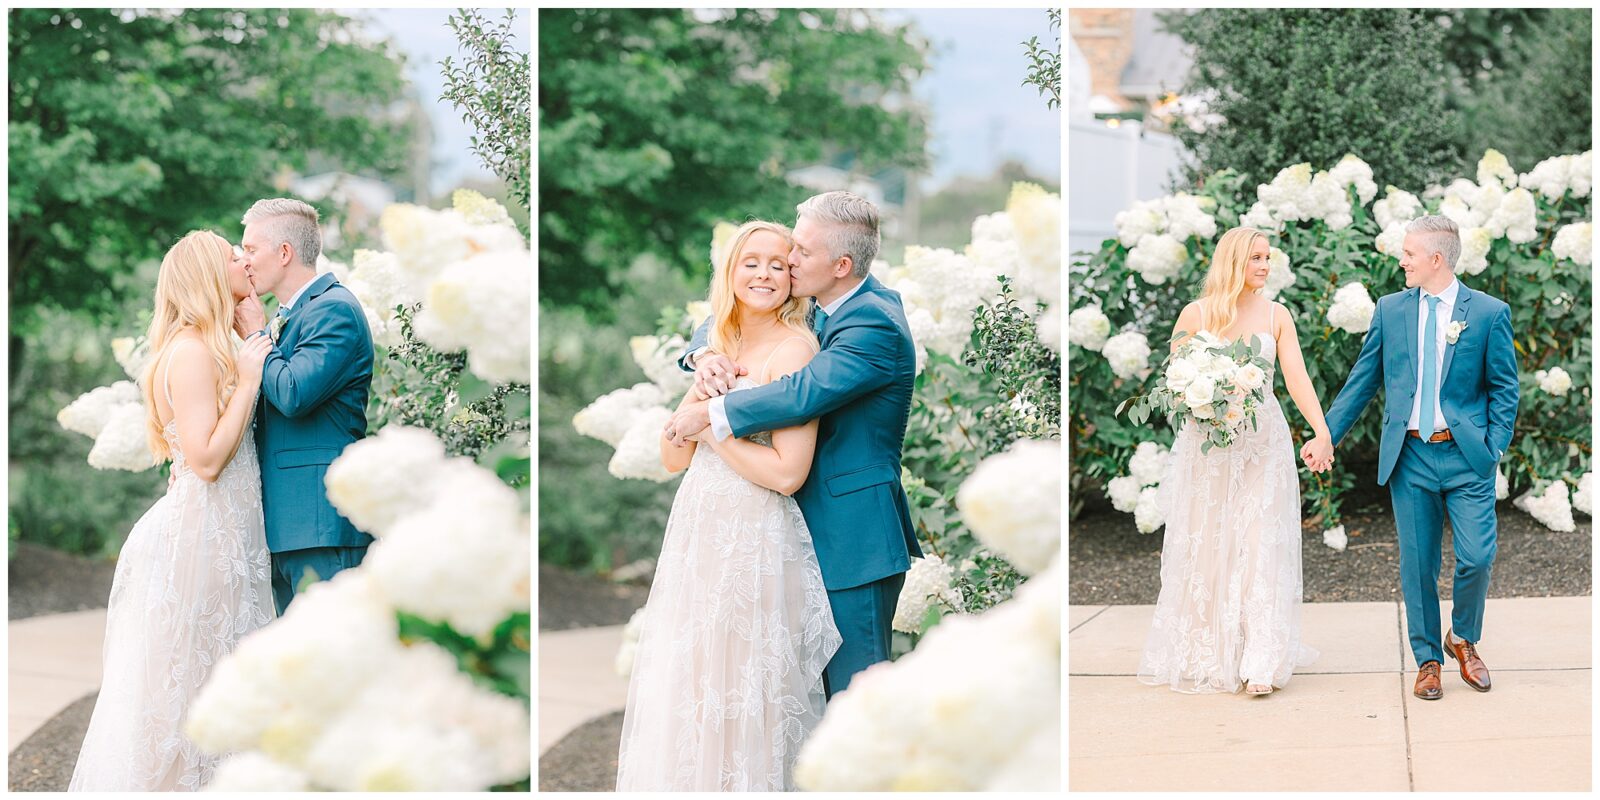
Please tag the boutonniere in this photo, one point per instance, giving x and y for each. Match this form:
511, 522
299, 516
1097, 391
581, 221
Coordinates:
1452, 333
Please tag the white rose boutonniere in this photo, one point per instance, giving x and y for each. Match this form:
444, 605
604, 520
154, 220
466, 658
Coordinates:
1452, 333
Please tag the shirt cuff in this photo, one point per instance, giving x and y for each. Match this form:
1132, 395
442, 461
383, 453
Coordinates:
719, 419
690, 358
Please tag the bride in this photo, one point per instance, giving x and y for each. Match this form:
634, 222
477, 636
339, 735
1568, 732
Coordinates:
1229, 609
727, 677
194, 574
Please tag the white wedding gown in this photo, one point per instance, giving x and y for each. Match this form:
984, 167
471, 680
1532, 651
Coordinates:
194, 577
727, 677
1229, 608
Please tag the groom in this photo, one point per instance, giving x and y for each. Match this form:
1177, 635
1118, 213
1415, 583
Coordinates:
314, 392
859, 385
1444, 355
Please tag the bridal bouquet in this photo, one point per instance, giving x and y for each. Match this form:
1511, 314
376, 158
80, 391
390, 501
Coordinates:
1215, 384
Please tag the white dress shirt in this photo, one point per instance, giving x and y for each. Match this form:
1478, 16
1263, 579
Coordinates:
719, 417
1447, 305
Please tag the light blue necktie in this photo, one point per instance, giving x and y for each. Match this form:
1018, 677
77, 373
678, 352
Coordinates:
817, 322
1430, 370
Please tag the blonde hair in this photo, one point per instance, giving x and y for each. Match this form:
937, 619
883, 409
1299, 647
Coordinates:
1219, 300
191, 292
725, 334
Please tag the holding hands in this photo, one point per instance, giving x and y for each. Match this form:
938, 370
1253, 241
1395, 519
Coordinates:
1318, 453
714, 375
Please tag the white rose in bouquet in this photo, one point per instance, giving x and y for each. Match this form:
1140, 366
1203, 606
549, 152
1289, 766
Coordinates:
1157, 258
374, 482
1124, 493
89, 413
1148, 516
1250, 377
611, 414
1012, 503
1475, 243
1555, 381
1180, 373
927, 582
1088, 327
639, 452
1550, 507
1574, 243
1352, 309
1128, 353
1202, 392
124, 442
1148, 462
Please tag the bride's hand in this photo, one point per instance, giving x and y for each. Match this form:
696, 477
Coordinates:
1318, 453
252, 356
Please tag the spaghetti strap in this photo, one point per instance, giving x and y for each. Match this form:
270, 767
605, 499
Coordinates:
768, 362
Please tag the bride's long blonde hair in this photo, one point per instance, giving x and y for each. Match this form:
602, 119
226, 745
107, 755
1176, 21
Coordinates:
191, 292
1224, 284
725, 336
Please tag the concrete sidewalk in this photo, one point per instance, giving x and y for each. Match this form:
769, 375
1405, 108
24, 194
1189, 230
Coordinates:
54, 660
578, 680
1348, 722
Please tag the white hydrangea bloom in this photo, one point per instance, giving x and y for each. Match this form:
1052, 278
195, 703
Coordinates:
1186, 216
1574, 243
124, 442
1012, 503
380, 286
1088, 327
1475, 243
630, 644
1035, 216
1583, 498
639, 452
1555, 176
1580, 174
1396, 208
374, 482
1287, 195
132, 355
1129, 354
1049, 326
1124, 493
1157, 258
1147, 515
1352, 171
1260, 218
611, 414
1517, 216
1352, 308
658, 357
949, 286
1555, 381
1138, 222
483, 304
1393, 239
1335, 538
1551, 507
425, 242
1149, 460
1494, 167
927, 582
89, 413
1279, 275
254, 772
478, 209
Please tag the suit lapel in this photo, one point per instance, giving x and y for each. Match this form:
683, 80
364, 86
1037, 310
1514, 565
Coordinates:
1409, 311
1458, 315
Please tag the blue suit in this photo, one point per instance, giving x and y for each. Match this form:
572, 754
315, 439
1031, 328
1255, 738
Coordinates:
314, 390
859, 388
1478, 397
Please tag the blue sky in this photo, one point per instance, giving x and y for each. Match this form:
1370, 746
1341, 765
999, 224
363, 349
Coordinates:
981, 113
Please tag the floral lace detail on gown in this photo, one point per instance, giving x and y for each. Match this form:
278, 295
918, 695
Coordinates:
193, 578
727, 675
1229, 608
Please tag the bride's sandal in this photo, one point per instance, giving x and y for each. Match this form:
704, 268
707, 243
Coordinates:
1258, 689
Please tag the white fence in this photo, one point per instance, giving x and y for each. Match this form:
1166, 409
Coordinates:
1109, 170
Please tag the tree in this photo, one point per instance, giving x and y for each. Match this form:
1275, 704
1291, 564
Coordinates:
656, 123
1538, 99
1295, 85
492, 90
129, 129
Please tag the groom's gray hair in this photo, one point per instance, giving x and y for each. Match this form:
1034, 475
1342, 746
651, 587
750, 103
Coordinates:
1442, 235
285, 219
853, 227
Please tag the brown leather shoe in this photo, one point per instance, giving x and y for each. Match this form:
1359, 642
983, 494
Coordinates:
1428, 687
1472, 669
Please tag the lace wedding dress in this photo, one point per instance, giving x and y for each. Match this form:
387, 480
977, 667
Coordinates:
194, 577
727, 677
1229, 608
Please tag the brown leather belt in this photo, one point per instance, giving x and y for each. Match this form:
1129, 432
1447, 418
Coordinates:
1438, 436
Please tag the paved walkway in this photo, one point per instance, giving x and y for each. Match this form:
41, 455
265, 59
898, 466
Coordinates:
1348, 722
53, 661
578, 680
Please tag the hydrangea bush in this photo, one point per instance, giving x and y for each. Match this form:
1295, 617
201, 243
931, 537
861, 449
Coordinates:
987, 341
1336, 245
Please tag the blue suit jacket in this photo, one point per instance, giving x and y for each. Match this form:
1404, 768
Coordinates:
1477, 385
860, 387
314, 402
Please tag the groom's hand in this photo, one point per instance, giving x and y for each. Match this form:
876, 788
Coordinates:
690, 420
1318, 454
714, 375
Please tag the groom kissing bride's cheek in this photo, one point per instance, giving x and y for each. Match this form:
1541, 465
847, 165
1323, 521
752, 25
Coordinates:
790, 535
